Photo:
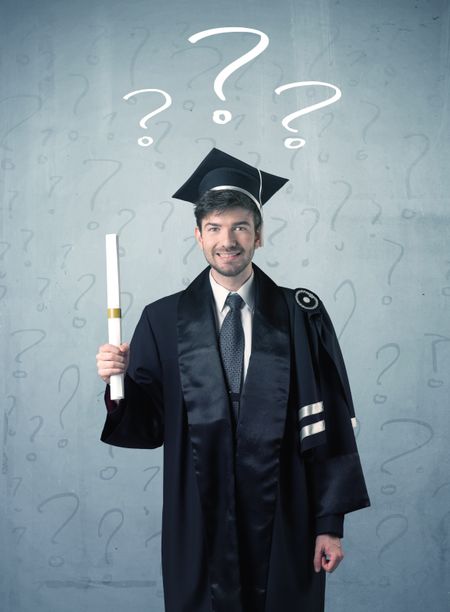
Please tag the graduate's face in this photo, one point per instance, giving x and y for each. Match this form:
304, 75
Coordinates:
228, 240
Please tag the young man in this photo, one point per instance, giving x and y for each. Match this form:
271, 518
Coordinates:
244, 384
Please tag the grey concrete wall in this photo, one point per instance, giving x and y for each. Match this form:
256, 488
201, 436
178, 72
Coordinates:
364, 222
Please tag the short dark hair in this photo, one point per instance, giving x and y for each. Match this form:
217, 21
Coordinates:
219, 201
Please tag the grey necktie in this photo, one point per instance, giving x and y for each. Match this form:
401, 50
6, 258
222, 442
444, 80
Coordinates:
232, 342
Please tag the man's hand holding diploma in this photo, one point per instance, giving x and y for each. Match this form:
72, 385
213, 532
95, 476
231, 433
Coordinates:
112, 360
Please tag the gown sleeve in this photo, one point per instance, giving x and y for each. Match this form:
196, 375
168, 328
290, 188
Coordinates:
138, 420
326, 417
335, 471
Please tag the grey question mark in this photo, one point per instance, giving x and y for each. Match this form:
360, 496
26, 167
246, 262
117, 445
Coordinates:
40, 307
55, 560
79, 322
433, 382
361, 154
387, 299
93, 225
17, 359
137, 52
316, 213
192, 248
116, 512
68, 248
347, 283
346, 197
163, 224
33, 456
132, 214
415, 448
270, 238
423, 152
22, 121
378, 398
27, 242
401, 532
62, 443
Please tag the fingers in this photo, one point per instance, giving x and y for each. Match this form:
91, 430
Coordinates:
328, 553
112, 360
317, 558
331, 560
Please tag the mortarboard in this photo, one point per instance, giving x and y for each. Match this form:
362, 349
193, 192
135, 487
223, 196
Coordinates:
219, 171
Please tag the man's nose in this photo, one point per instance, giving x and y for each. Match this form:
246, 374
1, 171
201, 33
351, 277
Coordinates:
228, 238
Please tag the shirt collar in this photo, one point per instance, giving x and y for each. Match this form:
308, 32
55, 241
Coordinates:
246, 291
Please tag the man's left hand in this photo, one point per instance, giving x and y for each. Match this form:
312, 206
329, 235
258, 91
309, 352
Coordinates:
328, 553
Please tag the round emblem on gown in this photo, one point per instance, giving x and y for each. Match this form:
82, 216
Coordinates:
306, 299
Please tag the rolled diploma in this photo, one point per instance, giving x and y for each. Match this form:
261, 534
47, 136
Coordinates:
114, 312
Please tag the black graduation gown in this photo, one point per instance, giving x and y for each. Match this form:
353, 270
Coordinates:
241, 508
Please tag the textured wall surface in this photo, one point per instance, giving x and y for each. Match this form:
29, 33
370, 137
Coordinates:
364, 222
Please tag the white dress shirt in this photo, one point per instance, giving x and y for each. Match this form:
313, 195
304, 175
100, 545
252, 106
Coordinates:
247, 293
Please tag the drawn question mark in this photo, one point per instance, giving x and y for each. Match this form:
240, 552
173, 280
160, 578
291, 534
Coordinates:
18, 481
145, 141
166, 218
17, 359
155, 469
79, 322
33, 456
110, 117
426, 142
16, 125
40, 307
389, 489
297, 143
329, 117
442, 538
401, 532
387, 299
93, 225
27, 242
192, 248
3, 251
57, 561
433, 382
68, 248
349, 191
316, 213
132, 214
112, 512
347, 283
92, 58
12, 199
64, 441
224, 116
7, 431
378, 398
270, 238
137, 51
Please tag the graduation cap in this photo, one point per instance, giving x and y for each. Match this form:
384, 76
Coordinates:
219, 171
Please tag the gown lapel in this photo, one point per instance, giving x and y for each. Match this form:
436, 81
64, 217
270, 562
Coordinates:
260, 432
208, 415
237, 475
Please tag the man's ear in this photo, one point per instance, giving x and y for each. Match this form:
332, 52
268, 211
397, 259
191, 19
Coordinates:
258, 237
198, 237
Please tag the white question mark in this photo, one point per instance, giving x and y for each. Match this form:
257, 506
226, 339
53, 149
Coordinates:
145, 141
297, 143
223, 116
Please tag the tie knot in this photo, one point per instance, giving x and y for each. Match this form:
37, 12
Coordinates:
234, 301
